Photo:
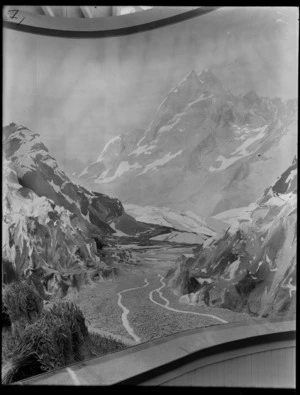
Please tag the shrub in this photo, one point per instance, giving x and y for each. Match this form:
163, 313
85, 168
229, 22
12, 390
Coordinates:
10, 272
58, 338
7, 345
23, 305
100, 243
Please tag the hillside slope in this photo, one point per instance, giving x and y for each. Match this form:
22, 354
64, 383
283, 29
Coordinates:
37, 170
45, 241
53, 229
252, 268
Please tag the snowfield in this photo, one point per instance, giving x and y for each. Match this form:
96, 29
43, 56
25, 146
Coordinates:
180, 237
183, 220
234, 216
242, 151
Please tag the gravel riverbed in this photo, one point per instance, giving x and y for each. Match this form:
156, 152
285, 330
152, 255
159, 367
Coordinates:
148, 320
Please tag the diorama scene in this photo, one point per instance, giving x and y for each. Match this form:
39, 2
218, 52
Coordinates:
149, 184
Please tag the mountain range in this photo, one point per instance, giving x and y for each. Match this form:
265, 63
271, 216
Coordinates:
195, 176
54, 229
206, 150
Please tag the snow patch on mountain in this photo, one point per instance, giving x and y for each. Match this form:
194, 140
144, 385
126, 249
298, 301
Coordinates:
160, 162
290, 287
202, 280
284, 198
180, 237
143, 149
292, 174
225, 162
84, 171
184, 220
107, 146
242, 150
103, 175
117, 232
232, 268
55, 186
112, 149
241, 131
122, 168
237, 215
147, 214
168, 127
200, 99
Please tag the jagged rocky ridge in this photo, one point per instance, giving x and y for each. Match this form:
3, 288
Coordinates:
53, 229
45, 241
206, 150
252, 268
37, 170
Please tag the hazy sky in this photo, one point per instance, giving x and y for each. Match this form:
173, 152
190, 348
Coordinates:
78, 93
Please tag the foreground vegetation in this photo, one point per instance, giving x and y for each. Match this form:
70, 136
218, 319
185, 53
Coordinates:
40, 340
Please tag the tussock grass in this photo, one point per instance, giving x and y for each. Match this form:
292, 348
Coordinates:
57, 338
48, 339
7, 345
23, 305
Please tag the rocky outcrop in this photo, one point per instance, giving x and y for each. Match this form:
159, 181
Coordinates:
38, 171
45, 242
53, 229
252, 268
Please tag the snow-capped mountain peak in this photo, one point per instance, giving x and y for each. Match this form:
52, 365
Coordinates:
190, 77
208, 77
205, 150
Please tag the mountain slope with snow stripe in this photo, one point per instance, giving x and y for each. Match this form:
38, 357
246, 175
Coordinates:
38, 171
205, 150
252, 267
184, 220
45, 241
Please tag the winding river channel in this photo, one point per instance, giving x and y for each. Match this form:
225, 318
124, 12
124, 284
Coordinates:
125, 313
164, 305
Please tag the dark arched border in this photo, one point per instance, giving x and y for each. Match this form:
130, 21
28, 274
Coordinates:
109, 32
218, 349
